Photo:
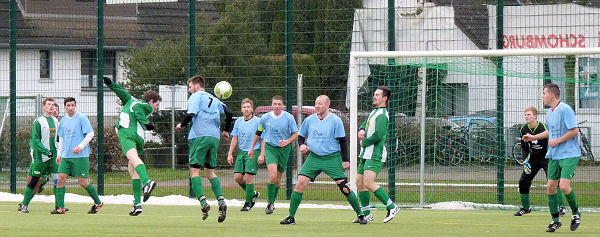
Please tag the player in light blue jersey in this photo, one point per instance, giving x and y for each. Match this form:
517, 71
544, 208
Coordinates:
563, 154
323, 138
204, 111
245, 167
278, 130
75, 132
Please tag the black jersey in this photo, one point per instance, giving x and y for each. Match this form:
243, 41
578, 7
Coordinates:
538, 148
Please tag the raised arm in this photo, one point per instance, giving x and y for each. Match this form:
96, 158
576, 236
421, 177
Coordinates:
123, 95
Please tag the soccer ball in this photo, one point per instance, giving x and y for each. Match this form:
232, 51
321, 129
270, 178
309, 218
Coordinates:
223, 90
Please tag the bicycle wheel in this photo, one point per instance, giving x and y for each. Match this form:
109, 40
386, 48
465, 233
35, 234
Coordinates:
586, 148
517, 152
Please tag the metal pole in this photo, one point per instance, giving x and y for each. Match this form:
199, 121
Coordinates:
100, 97
289, 72
13, 94
500, 102
299, 119
391, 143
191, 54
422, 161
172, 127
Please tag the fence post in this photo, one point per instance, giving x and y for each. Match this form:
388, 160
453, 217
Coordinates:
289, 77
100, 86
500, 102
13, 94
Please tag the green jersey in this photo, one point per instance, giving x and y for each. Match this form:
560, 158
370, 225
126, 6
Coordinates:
376, 129
134, 114
43, 138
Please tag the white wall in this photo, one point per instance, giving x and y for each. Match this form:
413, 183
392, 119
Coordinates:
64, 81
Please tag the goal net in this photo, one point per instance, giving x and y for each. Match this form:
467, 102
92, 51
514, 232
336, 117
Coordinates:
455, 115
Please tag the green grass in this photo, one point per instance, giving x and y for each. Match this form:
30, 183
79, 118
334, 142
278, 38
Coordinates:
112, 220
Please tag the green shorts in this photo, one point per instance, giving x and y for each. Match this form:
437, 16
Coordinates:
562, 169
129, 140
277, 155
40, 169
75, 167
246, 165
368, 164
203, 152
330, 164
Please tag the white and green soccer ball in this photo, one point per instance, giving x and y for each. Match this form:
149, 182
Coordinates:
223, 90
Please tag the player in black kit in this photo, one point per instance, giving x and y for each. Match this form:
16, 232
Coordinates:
534, 159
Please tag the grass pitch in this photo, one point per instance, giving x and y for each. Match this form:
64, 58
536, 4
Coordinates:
156, 220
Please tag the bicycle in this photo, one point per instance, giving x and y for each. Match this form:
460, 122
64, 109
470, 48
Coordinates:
586, 147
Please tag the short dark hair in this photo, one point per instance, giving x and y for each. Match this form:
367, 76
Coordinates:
387, 92
553, 88
197, 80
151, 95
69, 99
278, 97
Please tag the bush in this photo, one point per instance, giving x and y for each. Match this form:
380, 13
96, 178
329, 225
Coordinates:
114, 159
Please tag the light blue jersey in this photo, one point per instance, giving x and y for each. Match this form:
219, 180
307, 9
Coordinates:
245, 131
321, 134
276, 129
559, 122
72, 131
208, 110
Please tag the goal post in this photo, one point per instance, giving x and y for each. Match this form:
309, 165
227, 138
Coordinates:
474, 62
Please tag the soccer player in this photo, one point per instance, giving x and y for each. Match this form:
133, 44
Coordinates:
536, 151
563, 154
133, 119
75, 132
373, 153
43, 148
278, 130
245, 167
322, 137
204, 111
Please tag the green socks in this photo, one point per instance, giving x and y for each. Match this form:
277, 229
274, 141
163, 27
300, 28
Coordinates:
383, 197
249, 192
572, 202
197, 186
295, 202
59, 195
365, 197
561, 197
141, 171
243, 185
136, 185
553, 205
93, 193
525, 201
271, 193
354, 202
55, 200
276, 193
215, 184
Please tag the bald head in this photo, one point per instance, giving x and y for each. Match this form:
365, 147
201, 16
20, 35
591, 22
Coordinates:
322, 105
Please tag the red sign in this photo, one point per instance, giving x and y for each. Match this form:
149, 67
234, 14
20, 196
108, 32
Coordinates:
545, 41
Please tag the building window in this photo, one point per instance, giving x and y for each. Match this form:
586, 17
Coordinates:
586, 80
88, 67
44, 64
589, 68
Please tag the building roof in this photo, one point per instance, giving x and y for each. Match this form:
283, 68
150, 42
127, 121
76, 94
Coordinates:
471, 16
73, 25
